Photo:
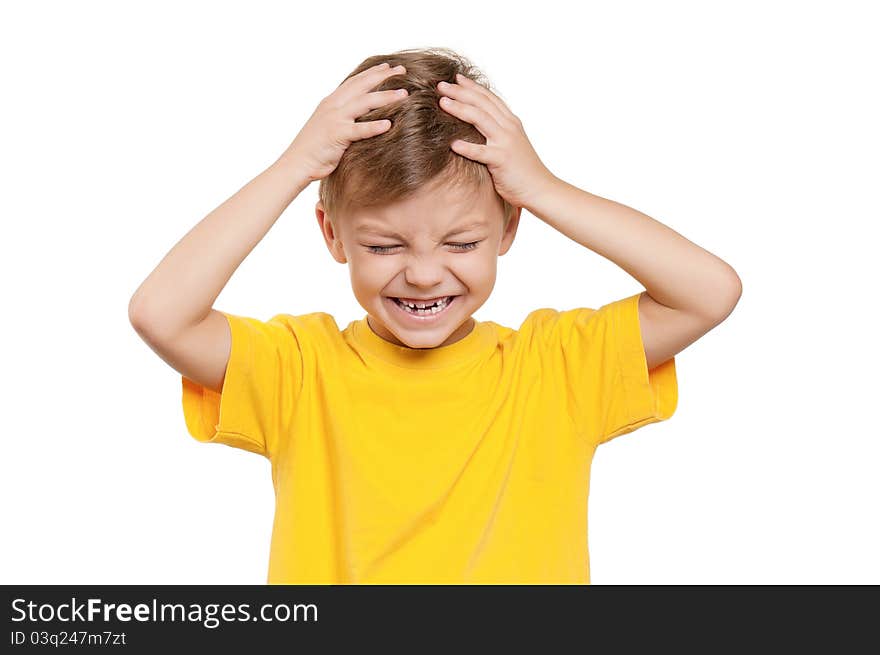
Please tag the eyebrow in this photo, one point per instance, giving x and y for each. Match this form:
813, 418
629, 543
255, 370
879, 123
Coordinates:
380, 232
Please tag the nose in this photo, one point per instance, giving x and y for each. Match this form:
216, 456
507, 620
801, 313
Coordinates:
424, 272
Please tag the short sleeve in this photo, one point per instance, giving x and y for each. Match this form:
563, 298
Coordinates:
609, 389
260, 390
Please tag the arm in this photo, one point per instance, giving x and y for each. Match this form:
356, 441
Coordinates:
688, 289
180, 293
182, 289
675, 272
172, 309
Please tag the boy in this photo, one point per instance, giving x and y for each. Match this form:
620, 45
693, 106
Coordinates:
419, 445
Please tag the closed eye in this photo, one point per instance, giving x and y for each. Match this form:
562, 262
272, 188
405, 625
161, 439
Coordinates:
460, 246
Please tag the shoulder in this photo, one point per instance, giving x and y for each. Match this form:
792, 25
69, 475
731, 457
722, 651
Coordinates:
282, 330
314, 321
548, 321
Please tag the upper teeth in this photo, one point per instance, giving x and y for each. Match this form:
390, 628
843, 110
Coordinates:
422, 305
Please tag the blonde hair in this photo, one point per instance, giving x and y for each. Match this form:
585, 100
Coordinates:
414, 152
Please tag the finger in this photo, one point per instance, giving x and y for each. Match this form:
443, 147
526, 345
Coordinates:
368, 73
352, 79
479, 118
472, 97
468, 83
365, 81
475, 151
360, 105
366, 129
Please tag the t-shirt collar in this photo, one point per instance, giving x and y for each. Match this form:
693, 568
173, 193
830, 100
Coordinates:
477, 342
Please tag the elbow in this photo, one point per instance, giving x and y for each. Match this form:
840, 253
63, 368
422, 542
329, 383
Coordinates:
736, 288
136, 312
728, 295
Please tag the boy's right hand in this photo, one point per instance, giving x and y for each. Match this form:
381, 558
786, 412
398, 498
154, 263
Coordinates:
324, 138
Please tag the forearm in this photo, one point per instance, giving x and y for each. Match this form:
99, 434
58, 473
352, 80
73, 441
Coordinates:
182, 289
674, 271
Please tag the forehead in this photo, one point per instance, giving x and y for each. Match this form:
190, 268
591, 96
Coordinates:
441, 210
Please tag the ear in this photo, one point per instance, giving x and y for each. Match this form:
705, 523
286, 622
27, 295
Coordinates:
509, 231
330, 234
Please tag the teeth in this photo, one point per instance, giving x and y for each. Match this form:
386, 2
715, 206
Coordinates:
427, 308
425, 305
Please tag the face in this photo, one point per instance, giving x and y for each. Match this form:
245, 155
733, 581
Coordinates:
443, 242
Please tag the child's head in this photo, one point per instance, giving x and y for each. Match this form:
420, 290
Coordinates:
392, 205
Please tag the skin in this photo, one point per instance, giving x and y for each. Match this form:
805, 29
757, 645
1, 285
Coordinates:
423, 264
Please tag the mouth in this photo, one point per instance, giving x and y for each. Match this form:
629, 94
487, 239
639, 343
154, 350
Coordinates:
429, 314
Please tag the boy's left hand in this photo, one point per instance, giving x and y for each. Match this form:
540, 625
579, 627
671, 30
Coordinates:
517, 171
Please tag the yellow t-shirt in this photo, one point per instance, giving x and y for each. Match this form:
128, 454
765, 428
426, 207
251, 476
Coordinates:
466, 464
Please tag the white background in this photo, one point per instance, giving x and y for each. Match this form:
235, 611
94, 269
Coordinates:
750, 128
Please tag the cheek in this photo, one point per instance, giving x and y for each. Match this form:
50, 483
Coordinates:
371, 271
479, 267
